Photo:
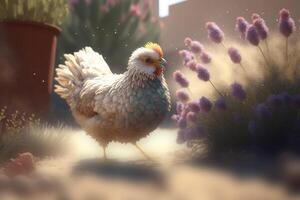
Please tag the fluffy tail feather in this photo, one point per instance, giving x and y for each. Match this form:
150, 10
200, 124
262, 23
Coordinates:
83, 65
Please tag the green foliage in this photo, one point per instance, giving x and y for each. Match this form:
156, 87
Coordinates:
114, 32
45, 11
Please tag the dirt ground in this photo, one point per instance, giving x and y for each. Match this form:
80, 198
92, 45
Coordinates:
83, 175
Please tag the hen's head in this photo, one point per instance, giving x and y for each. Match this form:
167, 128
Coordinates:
148, 60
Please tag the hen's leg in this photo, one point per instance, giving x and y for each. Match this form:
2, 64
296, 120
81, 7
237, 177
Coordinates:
142, 151
104, 152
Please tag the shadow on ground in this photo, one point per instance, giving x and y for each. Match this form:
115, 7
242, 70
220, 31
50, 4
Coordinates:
129, 170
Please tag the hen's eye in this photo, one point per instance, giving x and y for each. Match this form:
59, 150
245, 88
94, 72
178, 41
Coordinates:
148, 60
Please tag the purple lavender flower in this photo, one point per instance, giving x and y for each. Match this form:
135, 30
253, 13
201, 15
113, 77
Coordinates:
184, 52
284, 14
194, 106
214, 32
205, 104
179, 107
182, 123
262, 110
252, 35
274, 101
203, 74
261, 28
234, 55
205, 57
238, 92
241, 26
286, 23
187, 41
287, 27
182, 95
191, 117
196, 47
180, 79
175, 117
221, 103
255, 16
186, 56
192, 65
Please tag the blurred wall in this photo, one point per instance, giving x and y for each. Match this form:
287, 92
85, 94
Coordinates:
189, 17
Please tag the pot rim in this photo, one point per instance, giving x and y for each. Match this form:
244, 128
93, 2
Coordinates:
50, 27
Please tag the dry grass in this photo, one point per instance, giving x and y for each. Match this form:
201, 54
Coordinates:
21, 132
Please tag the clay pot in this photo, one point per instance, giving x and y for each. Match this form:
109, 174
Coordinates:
27, 57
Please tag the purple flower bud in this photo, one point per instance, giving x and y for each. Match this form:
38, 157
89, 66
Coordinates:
192, 65
234, 55
287, 26
180, 136
255, 16
175, 117
182, 123
286, 23
191, 117
238, 92
187, 41
194, 106
221, 104
179, 107
252, 35
184, 53
180, 79
205, 104
196, 47
205, 57
203, 74
274, 101
186, 56
241, 26
261, 28
214, 32
284, 14
182, 95
262, 110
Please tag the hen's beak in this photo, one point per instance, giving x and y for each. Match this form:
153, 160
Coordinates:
160, 66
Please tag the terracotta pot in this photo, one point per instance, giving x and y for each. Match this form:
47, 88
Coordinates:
27, 56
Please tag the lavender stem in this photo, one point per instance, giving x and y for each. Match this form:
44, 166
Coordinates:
262, 53
216, 88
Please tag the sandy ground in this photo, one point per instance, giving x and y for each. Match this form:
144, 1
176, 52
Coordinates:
127, 176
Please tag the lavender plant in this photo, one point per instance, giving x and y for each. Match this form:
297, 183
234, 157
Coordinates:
260, 116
